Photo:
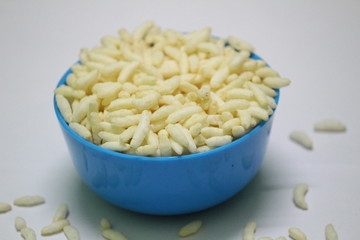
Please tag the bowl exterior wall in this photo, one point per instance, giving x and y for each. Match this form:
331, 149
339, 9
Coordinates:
177, 186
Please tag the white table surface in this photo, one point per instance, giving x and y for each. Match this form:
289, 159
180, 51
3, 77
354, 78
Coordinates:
314, 43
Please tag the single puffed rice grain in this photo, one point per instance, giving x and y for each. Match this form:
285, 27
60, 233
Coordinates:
116, 146
127, 71
281, 238
105, 224
28, 234
330, 232
127, 121
178, 149
147, 150
64, 107
108, 137
266, 72
238, 131
240, 44
164, 143
191, 146
140, 32
330, 125
142, 130
302, 138
101, 58
81, 130
29, 201
20, 223
195, 130
276, 82
82, 83
249, 231
69, 92
61, 212
4, 207
299, 193
297, 234
71, 233
190, 228
218, 141
82, 109
228, 125
163, 112
266, 238
54, 227
260, 96
259, 113
183, 113
120, 103
219, 77
267, 90
176, 133
146, 102
111, 234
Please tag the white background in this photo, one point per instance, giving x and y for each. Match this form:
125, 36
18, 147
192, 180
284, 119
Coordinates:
314, 43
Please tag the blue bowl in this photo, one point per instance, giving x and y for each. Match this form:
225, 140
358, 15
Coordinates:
168, 185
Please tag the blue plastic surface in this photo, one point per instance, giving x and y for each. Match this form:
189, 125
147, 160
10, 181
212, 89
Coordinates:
168, 185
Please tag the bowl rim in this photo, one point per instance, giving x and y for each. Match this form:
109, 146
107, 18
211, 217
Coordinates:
119, 155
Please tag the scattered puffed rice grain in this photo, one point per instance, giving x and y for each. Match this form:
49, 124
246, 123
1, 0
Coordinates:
302, 138
190, 228
4, 207
28, 234
20, 223
266, 238
249, 231
281, 238
299, 193
105, 224
29, 201
330, 125
330, 232
71, 233
111, 234
54, 227
297, 234
61, 212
